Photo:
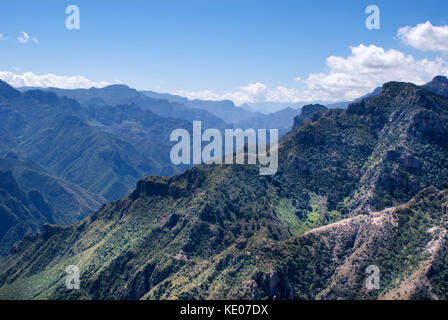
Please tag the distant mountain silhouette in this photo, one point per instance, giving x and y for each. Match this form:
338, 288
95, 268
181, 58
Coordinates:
213, 114
121, 94
239, 117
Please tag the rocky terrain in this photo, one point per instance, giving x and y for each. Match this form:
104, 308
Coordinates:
357, 187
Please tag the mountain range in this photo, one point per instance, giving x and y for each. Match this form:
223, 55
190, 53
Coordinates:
23, 212
105, 150
365, 186
84, 147
214, 114
239, 117
76, 156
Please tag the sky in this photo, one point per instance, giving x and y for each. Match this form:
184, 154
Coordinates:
244, 50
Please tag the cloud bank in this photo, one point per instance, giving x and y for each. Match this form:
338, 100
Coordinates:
425, 37
366, 68
346, 78
251, 93
29, 79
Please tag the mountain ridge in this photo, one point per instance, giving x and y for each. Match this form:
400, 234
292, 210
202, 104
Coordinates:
206, 235
103, 155
22, 212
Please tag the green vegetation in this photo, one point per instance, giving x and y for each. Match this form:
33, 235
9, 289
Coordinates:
354, 188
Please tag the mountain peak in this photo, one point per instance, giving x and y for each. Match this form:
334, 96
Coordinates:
403, 91
438, 85
393, 87
8, 92
118, 87
307, 112
440, 79
312, 108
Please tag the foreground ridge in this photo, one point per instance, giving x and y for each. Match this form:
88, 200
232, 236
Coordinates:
354, 188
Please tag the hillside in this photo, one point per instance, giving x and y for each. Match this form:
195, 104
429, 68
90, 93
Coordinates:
104, 150
23, 212
354, 187
75, 202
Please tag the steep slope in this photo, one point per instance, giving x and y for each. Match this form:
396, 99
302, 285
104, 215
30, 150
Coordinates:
22, 212
104, 150
75, 202
438, 85
406, 243
227, 232
307, 112
411, 153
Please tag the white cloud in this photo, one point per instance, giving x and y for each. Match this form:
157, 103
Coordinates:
348, 78
2, 37
366, 68
24, 38
252, 93
35, 40
29, 79
425, 37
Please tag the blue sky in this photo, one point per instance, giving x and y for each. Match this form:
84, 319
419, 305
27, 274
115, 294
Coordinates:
212, 49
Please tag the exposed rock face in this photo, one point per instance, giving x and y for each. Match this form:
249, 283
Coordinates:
250, 290
334, 208
357, 108
151, 186
307, 112
438, 85
275, 286
410, 163
172, 221
173, 186
354, 244
274, 280
426, 124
